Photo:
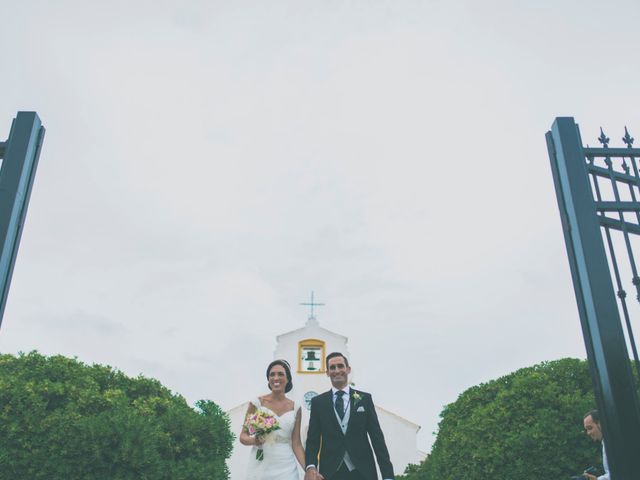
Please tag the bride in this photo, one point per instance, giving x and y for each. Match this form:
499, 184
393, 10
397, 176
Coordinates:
281, 449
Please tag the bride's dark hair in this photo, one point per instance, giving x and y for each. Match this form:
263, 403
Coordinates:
287, 370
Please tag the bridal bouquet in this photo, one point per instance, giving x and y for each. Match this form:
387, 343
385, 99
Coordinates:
261, 423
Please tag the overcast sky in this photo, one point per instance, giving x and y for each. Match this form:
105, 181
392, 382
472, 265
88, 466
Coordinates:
209, 163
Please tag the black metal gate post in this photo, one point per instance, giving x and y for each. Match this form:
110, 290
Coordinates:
19, 155
582, 220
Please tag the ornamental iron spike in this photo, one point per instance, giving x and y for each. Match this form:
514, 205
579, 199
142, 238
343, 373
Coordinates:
625, 166
636, 282
603, 139
627, 139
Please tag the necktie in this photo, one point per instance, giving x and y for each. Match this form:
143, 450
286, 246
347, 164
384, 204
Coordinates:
339, 404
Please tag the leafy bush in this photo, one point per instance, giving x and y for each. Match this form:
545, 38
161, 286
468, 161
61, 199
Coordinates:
61, 419
527, 424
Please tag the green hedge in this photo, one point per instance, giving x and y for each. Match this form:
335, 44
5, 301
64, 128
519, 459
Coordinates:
524, 425
62, 419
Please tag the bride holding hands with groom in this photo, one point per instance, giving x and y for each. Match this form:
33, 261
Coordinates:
272, 428
343, 427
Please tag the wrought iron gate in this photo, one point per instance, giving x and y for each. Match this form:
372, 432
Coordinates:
598, 193
19, 156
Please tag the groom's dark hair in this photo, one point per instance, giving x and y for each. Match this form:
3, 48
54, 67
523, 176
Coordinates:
334, 355
287, 371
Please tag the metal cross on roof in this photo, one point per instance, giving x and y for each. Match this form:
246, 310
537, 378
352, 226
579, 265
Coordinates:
312, 304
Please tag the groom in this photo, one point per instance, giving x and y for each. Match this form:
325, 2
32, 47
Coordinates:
337, 443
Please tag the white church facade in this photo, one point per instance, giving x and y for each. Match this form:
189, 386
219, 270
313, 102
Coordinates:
306, 349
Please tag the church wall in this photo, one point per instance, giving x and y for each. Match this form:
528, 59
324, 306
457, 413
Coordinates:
239, 459
400, 437
400, 434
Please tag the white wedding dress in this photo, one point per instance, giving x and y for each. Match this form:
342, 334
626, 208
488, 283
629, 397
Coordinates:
279, 462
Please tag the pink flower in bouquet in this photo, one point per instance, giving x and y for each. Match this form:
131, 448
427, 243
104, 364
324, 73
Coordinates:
261, 423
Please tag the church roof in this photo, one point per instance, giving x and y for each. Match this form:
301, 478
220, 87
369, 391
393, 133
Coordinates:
395, 415
312, 330
243, 406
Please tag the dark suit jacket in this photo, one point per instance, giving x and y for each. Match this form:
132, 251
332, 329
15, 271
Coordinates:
326, 444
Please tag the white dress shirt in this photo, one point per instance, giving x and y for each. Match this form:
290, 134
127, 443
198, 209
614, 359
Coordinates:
345, 398
605, 465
